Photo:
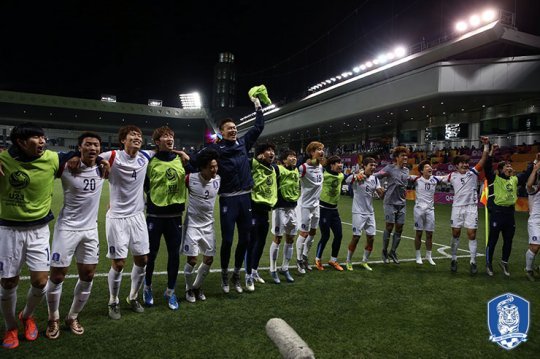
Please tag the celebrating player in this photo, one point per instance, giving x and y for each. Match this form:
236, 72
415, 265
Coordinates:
203, 188
465, 204
364, 186
533, 189
76, 234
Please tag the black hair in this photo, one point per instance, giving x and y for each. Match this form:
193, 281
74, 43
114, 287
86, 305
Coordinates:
261, 147
24, 131
286, 153
205, 157
88, 134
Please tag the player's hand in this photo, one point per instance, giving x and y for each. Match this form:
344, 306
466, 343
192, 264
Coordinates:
105, 167
494, 149
184, 156
74, 165
484, 140
256, 102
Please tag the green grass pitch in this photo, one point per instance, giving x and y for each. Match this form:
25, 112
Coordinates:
405, 311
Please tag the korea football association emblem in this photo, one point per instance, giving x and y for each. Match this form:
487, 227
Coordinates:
508, 320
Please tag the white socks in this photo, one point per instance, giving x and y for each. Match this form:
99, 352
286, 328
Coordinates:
81, 293
473, 245
274, 251
202, 272
188, 274
33, 298
115, 279
54, 292
287, 255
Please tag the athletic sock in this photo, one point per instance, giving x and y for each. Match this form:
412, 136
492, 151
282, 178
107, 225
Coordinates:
137, 279
418, 254
54, 292
202, 272
454, 244
473, 245
274, 251
81, 293
188, 274
307, 245
529, 260
385, 239
367, 253
333, 259
428, 254
287, 255
350, 251
396, 238
299, 247
33, 298
8, 303
115, 279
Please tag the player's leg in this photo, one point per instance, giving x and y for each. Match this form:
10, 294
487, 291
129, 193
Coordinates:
419, 229
390, 217
139, 246
370, 228
117, 244
155, 231
244, 223
429, 246
288, 249
277, 231
508, 231
400, 212
202, 272
457, 220
189, 268
305, 223
494, 231
228, 210
324, 225
313, 225
81, 293
534, 245
173, 239
429, 227
337, 230
8, 304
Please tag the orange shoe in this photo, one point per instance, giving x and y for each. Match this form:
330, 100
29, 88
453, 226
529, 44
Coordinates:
318, 264
30, 327
335, 265
11, 339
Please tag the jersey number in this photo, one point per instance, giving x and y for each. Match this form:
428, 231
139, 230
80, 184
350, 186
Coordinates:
134, 175
89, 184
428, 186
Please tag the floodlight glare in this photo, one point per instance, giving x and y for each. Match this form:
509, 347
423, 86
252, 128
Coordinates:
191, 100
362, 67
461, 26
489, 15
375, 61
382, 58
356, 69
474, 20
345, 74
400, 51
369, 64
333, 79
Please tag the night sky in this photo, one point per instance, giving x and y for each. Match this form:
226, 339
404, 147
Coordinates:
138, 50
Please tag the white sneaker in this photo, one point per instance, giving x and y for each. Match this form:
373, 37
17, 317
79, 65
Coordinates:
257, 278
418, 260
225, 283
430, 261
237, 283
190, 296
250, 286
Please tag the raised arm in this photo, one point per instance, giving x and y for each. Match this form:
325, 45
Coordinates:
485, 153
532, 178
522, 177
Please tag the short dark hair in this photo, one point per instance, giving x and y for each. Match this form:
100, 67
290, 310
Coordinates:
263, 146
461, 158
366, 161
224, 121
124, 130
205, 157
399, 150
500, 165
423, 164
88, 134
332, 159
160, 131
24, 131
286, 153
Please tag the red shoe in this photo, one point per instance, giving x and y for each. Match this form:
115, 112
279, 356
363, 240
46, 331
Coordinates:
30, 327
11, 339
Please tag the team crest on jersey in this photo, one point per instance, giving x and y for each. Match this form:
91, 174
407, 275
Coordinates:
56, 257
269, 181
19, 180
141, 161
508, 320
112, 250
186, 248
171, 174
534, 238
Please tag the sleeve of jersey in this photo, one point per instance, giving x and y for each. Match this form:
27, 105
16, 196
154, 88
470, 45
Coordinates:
475, 170
378, 185
302, 170
253, 134
350, 179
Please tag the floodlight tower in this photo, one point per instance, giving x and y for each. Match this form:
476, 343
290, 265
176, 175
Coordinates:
224, 90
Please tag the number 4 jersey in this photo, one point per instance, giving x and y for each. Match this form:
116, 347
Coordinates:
81, 198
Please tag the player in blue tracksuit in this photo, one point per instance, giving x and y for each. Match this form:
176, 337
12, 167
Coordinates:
234, 193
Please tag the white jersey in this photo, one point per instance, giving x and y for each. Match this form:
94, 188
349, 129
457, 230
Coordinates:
534, 204
425, 190
363, 193
81, 199
202, 197
465, 187
126, 181
311, 180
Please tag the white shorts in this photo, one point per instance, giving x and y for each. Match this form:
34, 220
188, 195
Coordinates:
125, 234
66, 243
534, 232
309, 217
361, 222
199, 240
20, 245
464, 216
424, 219
284, 221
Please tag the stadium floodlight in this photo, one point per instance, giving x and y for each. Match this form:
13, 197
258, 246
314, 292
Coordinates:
333, 79
191, 100
461, 26
338, 77
356, 69
375, 61
400, 51
382, 58
489, 15
474, 20
362, 67
108, 98
345, 75
369, 64
155, 103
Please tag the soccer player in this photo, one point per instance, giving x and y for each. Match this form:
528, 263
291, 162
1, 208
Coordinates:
331, 192
533, 189
465, 205
203, 188
364, 186
284, 214
76, 234
395, 201
502, 199
165, 188
263, 198
26, 188
235, 192
125, 223
311, 179
424, 208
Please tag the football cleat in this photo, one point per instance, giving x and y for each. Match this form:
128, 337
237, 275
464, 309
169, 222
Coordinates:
53, 329
300, 266
473, 269
489, 270
385, 256
257, 278
225, 283
530, 275
275, 277
11, 339
236, 282
172, 301
135, 305
250, 286
199, 294
366, 266
318, 264
190, 296
307, 266
349, 266
30, 327
453, 265
114, 311
430, 261
287, 275
74, 325
393, 257
335, 265
504, 267
148, 296
419, 260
